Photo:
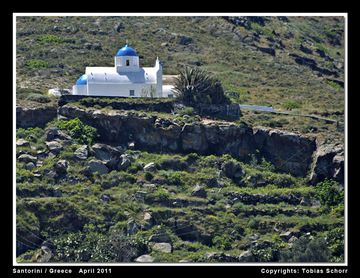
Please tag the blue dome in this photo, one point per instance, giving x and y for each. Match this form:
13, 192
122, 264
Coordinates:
82, 80
126, 51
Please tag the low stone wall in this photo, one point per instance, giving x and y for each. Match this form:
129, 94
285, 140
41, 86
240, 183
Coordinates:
147, 104
227, 111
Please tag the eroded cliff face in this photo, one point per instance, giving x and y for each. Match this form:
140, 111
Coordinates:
289, 152
34, 117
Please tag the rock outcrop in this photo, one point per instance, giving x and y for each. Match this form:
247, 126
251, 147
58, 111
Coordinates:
328, 163
34, 117
288, 152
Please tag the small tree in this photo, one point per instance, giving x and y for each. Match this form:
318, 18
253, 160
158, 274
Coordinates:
196, 86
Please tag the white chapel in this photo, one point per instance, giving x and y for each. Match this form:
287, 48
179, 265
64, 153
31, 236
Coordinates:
125, 79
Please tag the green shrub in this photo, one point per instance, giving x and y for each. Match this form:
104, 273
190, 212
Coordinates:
50, 39
38, 98
31, 134
329, 193
82, 133
335, 240
222, 242
185, 111
307, 250
37, 64
290, 105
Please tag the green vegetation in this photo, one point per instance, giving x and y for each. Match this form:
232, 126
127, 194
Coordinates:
82, 133
37, 64
50, 39
290, 105
195, 86
81, 225
330, 193
307, 250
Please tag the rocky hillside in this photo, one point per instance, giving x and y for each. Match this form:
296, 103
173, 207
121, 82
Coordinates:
144, 181
291, 63
108, 185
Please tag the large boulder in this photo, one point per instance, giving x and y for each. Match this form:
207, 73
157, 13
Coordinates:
82, 152
199, 191
144, 259
97, 166
22, 143
61, 167
55, 133
27, 158
163, 247
328, 163
232, 169
54, 146
150, 167
160, 236
247, 256
105, 152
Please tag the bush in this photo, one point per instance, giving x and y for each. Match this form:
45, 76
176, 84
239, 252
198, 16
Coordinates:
222, 242
38, 98
50, 39
307, 250
82, 133
290, 105
37, 64
329, 193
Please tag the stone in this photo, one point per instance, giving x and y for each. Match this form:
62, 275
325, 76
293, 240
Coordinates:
174, 164
198, 191
22, 143
328, 163
55, 133
220, 257
246, 256
97, 166
61, 167
105, 152
54, 147
144, 259
105, 198
161, 247
160, 236
232, 170
292, 239
147, 216
140, 195
132, 227
185, 40
27, 158
82, 152
44, 255
125, 162
150, 167
286, 235
29, 166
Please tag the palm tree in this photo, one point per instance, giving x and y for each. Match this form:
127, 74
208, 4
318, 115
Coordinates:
194, 85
